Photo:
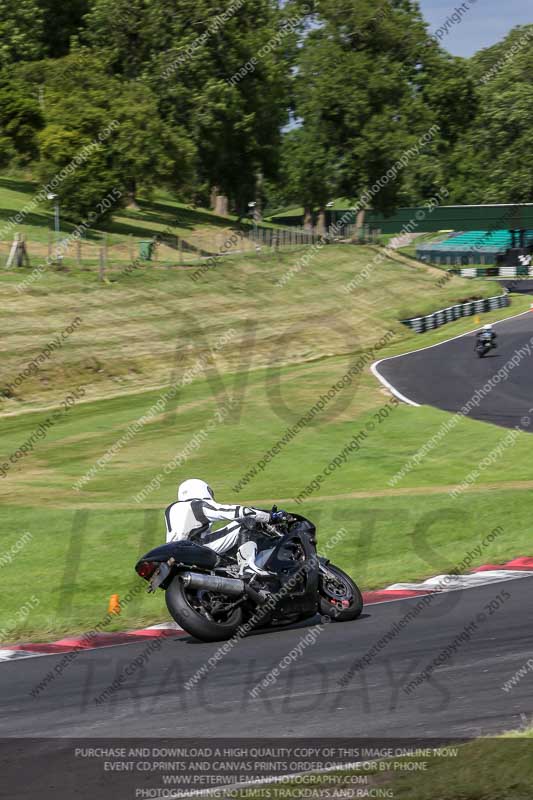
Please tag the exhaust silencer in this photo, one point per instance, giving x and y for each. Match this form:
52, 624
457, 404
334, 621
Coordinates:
213, 583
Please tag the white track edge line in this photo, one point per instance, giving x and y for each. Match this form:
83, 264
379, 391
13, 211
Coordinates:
87, 649
389, 386
421, 593
127, 644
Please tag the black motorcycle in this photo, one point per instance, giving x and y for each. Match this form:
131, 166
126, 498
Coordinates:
483, 346
206, 596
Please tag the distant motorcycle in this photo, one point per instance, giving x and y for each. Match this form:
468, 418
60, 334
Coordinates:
206, 596
483, 346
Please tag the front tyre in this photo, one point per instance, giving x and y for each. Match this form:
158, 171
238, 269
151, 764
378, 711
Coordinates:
206, 615
340, 598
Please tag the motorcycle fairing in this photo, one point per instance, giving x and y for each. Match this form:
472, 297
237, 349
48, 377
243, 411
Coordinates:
185, 552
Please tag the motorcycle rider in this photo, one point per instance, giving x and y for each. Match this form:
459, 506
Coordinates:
486, 335
194, 513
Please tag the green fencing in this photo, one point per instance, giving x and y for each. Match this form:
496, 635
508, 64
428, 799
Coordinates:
420, 218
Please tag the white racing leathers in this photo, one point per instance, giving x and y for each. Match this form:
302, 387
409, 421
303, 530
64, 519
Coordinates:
193, 519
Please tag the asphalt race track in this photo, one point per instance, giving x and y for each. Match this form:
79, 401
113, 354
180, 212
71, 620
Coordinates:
464, 698
517, 286
447, 376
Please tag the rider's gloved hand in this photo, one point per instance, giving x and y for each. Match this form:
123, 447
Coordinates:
277, 516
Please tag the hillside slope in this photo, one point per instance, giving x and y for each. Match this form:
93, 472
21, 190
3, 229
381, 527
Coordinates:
143, 328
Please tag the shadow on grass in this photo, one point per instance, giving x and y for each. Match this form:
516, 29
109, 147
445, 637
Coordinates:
131, 223
158, 213
183, 217
46, 223
187, 217
18, 186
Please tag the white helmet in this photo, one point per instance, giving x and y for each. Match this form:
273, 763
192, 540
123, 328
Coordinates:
194, 489
487, 327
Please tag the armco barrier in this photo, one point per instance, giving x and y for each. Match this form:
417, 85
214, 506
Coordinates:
445, 315
492, 272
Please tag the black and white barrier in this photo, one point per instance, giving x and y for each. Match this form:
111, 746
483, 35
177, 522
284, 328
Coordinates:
445, 315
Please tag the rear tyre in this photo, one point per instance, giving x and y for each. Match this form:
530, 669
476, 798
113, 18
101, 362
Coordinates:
340, 597
201, 613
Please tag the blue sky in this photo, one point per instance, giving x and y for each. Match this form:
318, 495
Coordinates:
485, 23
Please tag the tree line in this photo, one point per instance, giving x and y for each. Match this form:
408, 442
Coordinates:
281, 104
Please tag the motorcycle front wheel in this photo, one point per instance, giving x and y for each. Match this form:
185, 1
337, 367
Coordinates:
340, 597
206, 615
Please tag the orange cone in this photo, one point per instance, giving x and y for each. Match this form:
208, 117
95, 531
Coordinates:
478, 320
114, 604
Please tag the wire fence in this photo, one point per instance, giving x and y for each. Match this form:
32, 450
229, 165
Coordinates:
106, 254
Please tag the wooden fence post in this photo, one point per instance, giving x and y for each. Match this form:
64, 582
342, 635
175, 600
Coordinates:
102, 264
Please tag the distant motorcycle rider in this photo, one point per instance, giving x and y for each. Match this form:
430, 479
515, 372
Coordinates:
486, 335
194, 513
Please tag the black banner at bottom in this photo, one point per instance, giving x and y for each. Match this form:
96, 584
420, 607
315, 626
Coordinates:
171, 769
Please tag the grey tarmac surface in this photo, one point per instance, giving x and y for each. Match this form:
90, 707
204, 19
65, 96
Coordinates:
463, 698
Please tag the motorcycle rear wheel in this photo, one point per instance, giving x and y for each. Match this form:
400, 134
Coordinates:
340, 597
188, 607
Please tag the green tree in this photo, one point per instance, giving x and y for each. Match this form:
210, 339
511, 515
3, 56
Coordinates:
61, 21
123, 31
227, 81
191, 57
20, 117
370, 82
307, 173
21, 31
146, 151
493, 159
116, 123
84, 171
449, 97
